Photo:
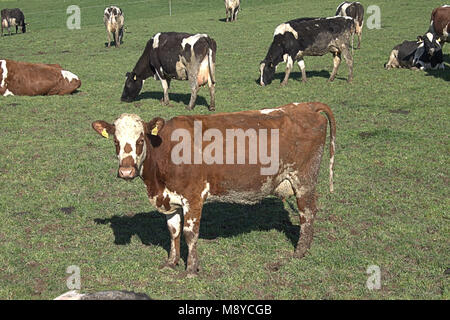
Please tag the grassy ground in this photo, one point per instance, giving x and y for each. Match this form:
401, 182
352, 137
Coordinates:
61, 205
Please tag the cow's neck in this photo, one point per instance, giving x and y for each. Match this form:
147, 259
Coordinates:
143, 68
152, 173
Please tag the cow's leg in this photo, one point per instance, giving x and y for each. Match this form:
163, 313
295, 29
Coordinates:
116, 38
226, 14
17, 28
174, 226
191, 229
194, 90
289, 65
212, 105
349, 60
109, 39
359, 32
165, 85
301, 65
307, 209
336, 63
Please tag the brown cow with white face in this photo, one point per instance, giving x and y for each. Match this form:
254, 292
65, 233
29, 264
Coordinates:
33, 79
239, 157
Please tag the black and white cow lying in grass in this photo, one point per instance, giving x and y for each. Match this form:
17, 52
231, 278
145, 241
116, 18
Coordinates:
175, 55
423, 54
295, 39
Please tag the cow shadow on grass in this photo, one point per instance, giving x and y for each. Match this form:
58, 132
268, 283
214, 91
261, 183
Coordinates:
297, 76
177, 97
218, 220
443, 74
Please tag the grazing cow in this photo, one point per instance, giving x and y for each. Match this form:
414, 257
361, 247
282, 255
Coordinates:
182, 174
11, 18
114, 20
33, 79
356, 11
426, 53
232, 8
295, 39
174, 55
440, 21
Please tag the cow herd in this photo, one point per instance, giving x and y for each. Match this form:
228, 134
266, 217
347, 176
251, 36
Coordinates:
294, 133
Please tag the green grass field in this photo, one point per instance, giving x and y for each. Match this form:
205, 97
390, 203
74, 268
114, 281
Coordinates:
61, 203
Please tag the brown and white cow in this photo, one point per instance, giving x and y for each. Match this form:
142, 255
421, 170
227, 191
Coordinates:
440, 22
189, 160
33, 79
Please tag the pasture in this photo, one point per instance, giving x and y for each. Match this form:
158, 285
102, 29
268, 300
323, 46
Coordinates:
61, 203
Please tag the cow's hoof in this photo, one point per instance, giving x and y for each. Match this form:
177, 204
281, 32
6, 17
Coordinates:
282, 84
167, 265
304, 80
330, 80
349, 80
164, 102
189, 108
300, 252
212, 108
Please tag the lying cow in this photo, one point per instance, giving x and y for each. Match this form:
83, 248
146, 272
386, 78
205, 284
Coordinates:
181, 176
11, 18
295, 39
356, 11
113, 19
232, 8
32, 79
440, 22
423, 54
173, 55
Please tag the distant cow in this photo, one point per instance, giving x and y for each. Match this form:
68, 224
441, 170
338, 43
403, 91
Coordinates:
114, 20
440, 21
11, 18
356, 11
32, 79
295, 39
178, 185
173, 55
426, 53
232, 8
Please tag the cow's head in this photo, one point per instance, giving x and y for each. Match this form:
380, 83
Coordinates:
430, 42
131, 139
267, 72
133, 85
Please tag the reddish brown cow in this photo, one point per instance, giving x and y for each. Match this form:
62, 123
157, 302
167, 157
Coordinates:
189, 160
440, 21
32, 79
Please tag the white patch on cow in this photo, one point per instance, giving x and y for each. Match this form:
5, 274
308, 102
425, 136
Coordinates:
344, 7
261, 69
285, 27
176, 200
69, 75
175, 222
335, 17
156, 40
296, 103
205, 191
129, 128
8, 93
4, 72
267, 111
301, 65
192, 40
430, 36
190, 227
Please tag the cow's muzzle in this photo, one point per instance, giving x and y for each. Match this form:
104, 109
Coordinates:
127, 173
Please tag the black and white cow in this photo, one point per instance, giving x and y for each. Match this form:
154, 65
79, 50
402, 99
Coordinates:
356, 11
295, 39
113, 19
11, 18
423, 54
174, 55
232, 8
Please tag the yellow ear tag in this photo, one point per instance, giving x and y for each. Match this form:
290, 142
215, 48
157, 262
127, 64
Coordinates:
105, 134
134, 78
155, 131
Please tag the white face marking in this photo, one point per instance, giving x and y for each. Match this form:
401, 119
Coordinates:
4, 72
129, 128
68, 75
285, 27
430, 36
192, 40
156, 40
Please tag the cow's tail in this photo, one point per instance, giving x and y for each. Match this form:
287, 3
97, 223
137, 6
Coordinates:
320, 107
211, 58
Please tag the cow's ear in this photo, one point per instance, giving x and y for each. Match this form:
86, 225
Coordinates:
127, 74
103, 128
419, 39
154, 126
